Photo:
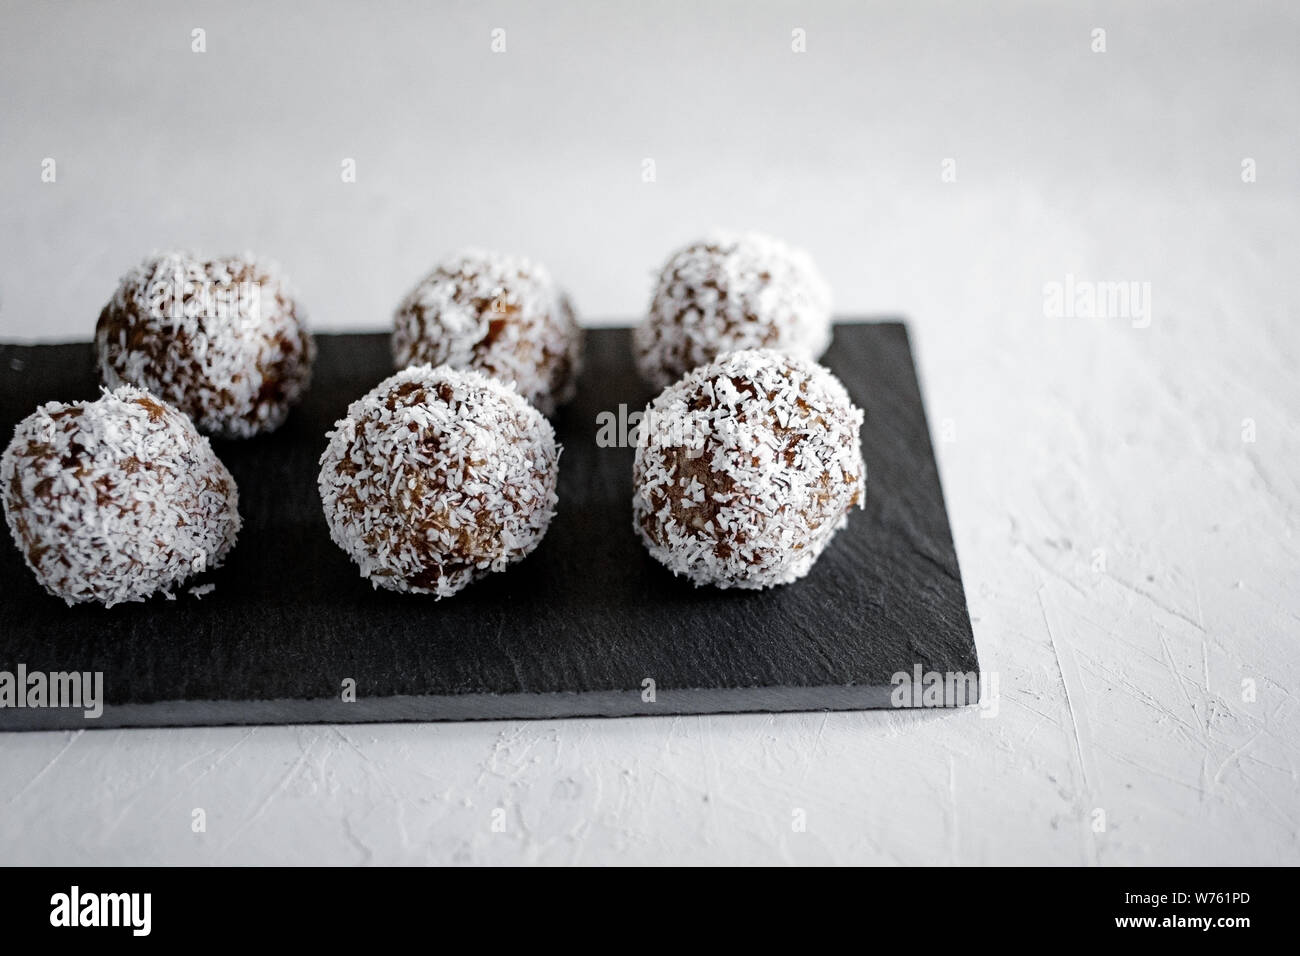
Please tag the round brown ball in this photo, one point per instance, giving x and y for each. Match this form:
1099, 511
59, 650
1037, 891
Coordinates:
728, 292
116, 500
221, 339
437, 477
501, 315
746, 468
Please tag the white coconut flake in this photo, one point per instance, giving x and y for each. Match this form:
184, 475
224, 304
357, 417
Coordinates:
500, 315
223, 340
778, 460
110, 500
438, 477
728, 292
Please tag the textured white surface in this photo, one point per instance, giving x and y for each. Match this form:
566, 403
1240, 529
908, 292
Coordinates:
1062, 441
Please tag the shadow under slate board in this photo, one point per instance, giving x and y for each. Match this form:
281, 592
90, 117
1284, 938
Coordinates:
578, 628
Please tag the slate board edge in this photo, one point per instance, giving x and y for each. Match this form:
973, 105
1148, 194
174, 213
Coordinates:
464, 707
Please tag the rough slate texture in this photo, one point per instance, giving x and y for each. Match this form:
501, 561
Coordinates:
574, 629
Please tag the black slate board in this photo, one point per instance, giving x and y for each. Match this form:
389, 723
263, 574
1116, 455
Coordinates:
575, 629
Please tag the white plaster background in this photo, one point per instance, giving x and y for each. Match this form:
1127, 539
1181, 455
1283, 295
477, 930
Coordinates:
1120, 690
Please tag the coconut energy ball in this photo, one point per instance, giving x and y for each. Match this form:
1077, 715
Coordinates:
503, 316
437, 477
117, 499
728, 292
746, 468
221, 339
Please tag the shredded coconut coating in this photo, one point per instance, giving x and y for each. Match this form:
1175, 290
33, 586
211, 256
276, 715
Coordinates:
746, 468
116, 500
221, 339
728, 292
437, 477
500, 315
